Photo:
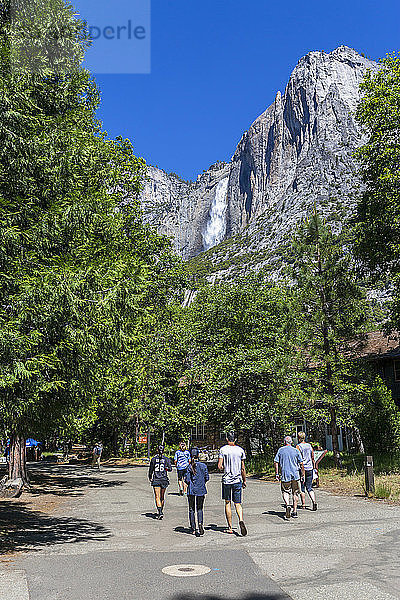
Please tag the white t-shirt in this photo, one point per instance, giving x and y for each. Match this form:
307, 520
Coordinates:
232, 456
306, 452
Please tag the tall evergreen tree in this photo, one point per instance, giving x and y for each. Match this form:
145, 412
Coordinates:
378, 219
332, 310
76, 263
379, 207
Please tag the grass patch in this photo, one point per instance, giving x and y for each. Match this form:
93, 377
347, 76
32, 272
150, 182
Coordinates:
383, 491
260, 465
353, 464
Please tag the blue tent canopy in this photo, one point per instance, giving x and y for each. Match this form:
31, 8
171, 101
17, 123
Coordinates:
31, 442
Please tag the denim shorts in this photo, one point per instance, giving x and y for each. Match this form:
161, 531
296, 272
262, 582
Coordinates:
307, 485
232, 492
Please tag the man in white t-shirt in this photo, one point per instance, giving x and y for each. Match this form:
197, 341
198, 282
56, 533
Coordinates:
231, 461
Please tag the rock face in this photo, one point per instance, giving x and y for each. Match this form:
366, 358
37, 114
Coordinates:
180, 209
297, 153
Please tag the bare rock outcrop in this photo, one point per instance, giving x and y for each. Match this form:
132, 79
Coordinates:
300, 151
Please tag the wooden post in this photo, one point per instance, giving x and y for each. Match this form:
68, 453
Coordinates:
369, 476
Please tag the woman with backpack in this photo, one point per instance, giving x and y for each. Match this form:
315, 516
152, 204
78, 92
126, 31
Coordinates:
196, 478
158, 476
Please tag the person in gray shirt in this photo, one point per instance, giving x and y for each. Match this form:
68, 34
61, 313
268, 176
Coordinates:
231, 461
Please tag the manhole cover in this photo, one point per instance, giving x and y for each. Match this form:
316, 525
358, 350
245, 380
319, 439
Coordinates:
186, 570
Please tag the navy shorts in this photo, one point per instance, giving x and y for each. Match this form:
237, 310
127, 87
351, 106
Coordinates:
307, 485
162, 483
232, 492
181, 474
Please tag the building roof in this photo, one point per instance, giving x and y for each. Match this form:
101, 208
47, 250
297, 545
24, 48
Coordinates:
377, 345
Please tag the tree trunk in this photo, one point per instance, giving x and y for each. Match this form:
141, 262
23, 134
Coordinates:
358, 440
136, 434
335, 439
327, 352
247, 445
17, 465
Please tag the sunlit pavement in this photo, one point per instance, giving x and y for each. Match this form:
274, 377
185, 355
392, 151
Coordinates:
104, 543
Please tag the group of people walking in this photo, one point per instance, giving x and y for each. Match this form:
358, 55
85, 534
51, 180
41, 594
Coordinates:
294, 467
193, 477
297, 469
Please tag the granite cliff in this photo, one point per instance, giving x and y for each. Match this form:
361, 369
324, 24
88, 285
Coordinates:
297, 153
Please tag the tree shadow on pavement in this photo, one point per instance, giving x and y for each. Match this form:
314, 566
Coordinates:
67, 482
246, 596
24, 529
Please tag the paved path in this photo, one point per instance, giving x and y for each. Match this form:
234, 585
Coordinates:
105, 544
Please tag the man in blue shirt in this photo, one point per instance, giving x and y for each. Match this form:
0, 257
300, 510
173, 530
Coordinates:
290, 462
181, 460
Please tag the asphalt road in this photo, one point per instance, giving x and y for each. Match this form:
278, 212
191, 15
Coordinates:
105, 544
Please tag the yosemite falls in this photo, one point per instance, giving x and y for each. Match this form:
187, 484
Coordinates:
298, 153
215, 229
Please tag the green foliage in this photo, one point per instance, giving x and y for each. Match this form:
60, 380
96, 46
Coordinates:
239, 337
331, 309
79, 272
378, 417
379, 208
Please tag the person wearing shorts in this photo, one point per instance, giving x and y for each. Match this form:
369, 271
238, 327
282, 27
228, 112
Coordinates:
159, 467
290, 463
181, 460
231, 461
307, 452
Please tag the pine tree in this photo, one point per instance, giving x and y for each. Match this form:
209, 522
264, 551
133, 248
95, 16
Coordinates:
77, 267
332, 310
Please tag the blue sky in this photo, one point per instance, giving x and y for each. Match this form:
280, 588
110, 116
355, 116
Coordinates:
216, 65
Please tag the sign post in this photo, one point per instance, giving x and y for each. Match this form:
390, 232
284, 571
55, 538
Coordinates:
369, 476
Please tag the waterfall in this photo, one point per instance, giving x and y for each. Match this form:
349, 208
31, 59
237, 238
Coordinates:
188, 298
215, 229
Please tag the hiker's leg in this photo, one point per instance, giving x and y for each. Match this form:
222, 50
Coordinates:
308, 485
162, 497
239, 511
286, 497
199, 509
157, 496
228, 514
192, 518
180, 480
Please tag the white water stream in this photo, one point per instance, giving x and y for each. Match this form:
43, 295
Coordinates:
215, 229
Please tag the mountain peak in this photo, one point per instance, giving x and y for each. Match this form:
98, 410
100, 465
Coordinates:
300, 151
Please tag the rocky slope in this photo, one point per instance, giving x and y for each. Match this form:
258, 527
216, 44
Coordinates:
297, 153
